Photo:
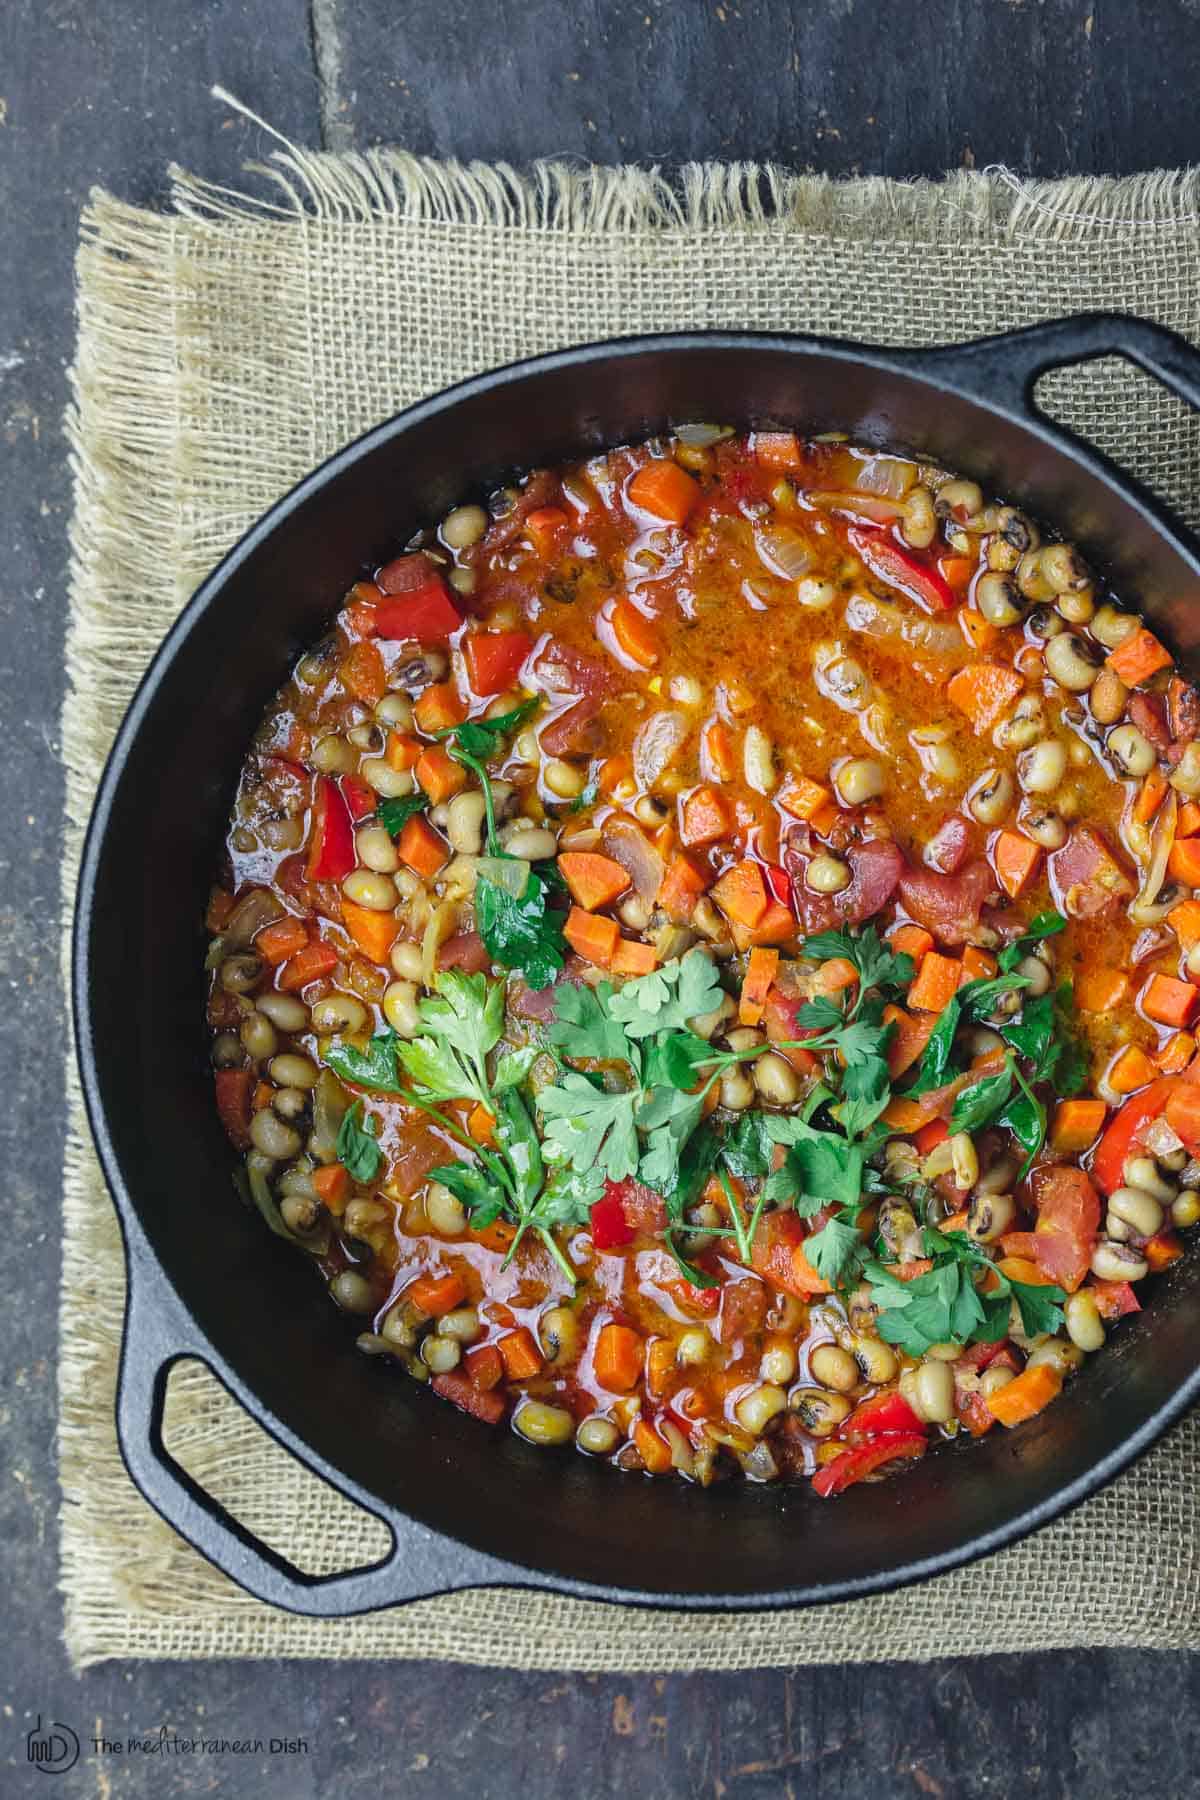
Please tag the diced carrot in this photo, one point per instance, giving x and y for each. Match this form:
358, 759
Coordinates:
439, 708
804, 1277
956, 1221
761, 971
979, 632
1187, 822
802, 797
1139, 657
834, 974
650, 1447
1015, 860
275, 943
778, 450
485, 1367
930, 1135
1025, 1395
660, 1366
1151, 795
1100, 990
1183, 864
437, 1294
936, 984
220, 904
1162, 1250
904, 1115
522, 1358
741, 893
984, 692
908, 1040
360, 617
716, 746
776, 926
373, 932
1182, 1113
635, 634
681, 887
913, 940
911, 1270
592, 936
363, 674
264, 1093
1184, 921
705, 817
1130, 1070
481, 1125
632, 957
618, 1357
309, 964
977, 964
594, 880
420, 847
332, 1186
235, 1089
1169, 1001
823, 820
438, 774
664, 490
403, 751
1077, 1124
544, 527
1176, 1053
956, 571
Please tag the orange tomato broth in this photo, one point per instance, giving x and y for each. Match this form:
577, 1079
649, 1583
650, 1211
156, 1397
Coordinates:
721, 638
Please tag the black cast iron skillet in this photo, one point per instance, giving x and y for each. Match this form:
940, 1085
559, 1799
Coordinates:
467, 1506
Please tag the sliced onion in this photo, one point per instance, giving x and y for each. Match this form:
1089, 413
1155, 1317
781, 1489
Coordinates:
786, 551
628, 845
656, 743
699, 437
879, 619
1162, 837
254, 910
442, 921
876, 510
508, 872
886, 476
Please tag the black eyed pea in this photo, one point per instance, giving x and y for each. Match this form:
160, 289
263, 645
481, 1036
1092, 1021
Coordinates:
395, 711
993, 1379
464, 822
694, 1347
635, 912
958, 500
531, 843
1108, 697
1031, 578
990, 800
440, 1354
289, 1069
338, 1012
932, 1395
706, 1025
775, 1079
284, 1010
444, 1210
406, 960
1043, 826
543, 1425
1134, 1207
333, 756
876, 1360
258, 1036
1000, 556
597, 1436
1118, 1262
352, 1291
1185, 777
820, 1410
1034, 971
301, 1213
778, 1364
1077, 608
558, 1330
1185, 1211
1040, 769
462, 1324
1111, 627
1017, 529
270, 1135
920, 519
401, 1326
362, 1216
1072, 662
737, 1090
388, 783
463, 526
366, 736
1023, 727
989, 1216
998, 598
290, 1103
1085, 1327
858, 780
815, 593
755, 1410
1143, 1172
226, 1050
1043, 622
834, 1368
565, 780
400, 1008
1134, 753
375, 849
238, 974
367, 887
827, 875
1062, 1355
758, 760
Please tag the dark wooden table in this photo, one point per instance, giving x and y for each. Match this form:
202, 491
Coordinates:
110, 91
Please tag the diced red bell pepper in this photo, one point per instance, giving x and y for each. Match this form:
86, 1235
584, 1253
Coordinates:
879, 1416
900, 568
235, 1090
360, 798
779, 884
331, 854
609, 1227
425, 613
857, 1464
1114, 1298
494, 659
481, 1403
1118, 1143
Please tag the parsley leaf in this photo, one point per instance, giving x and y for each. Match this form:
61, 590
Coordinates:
357, 1150
978, 1105
590, 1128
747, 1148
483, 1198
668, 997
520, 933
674, 1059
833, 1249
1039, 1306
394, 815
866, 1090
375, 1067
584, 1026
478, 737
878, 965
1042, 925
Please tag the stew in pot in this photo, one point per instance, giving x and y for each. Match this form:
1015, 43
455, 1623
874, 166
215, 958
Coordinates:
707, 954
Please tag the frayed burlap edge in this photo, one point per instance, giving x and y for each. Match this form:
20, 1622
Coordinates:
130, 1586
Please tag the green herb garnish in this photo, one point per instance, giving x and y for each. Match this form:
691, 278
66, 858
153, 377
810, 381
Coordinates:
357, 1149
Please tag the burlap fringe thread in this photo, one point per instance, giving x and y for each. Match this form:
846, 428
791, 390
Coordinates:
140, 541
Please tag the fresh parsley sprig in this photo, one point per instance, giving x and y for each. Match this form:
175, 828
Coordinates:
945, 1304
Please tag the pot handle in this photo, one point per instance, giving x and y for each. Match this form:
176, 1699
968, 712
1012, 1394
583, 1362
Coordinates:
158, 1334
1004, 368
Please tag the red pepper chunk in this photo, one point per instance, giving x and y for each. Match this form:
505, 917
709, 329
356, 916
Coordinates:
331, 854
425, 613
855, 1465
890, 563
360, 798
609, 1227
494, 659
1118, 1143
881, 1416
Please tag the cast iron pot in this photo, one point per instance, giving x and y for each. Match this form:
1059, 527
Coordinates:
467, 1506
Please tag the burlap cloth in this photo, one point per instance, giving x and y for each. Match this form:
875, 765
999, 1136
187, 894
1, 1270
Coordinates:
224, 349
